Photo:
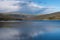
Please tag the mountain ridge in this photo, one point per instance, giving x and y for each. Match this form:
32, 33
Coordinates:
12, 16
51, 16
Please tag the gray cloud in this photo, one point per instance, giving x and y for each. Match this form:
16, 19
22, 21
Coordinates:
31, 8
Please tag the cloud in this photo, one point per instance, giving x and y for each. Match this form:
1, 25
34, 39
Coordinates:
8, 6
31, 8
25, 7
51, 9
22, 6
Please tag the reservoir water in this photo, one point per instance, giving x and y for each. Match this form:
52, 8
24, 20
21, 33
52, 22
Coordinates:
30, 30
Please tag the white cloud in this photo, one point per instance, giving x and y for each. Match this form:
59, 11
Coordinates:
25, 6
35, 5
8, 6
30, 7
51, 9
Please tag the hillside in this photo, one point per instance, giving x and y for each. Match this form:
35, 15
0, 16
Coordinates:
52, 16
6, 17
11, 16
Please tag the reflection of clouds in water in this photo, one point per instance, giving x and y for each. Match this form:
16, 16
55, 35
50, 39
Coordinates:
37, 33
31, 28
49, 30
7, 34
13, 34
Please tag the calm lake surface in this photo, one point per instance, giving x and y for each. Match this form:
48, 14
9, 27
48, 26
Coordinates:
30, 30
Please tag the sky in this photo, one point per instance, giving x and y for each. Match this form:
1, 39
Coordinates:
30, 6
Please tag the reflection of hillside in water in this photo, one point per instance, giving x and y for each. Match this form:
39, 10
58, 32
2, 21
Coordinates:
1, 24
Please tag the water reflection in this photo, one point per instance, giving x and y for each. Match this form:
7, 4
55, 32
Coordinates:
38, 30
8, 34
1, 24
